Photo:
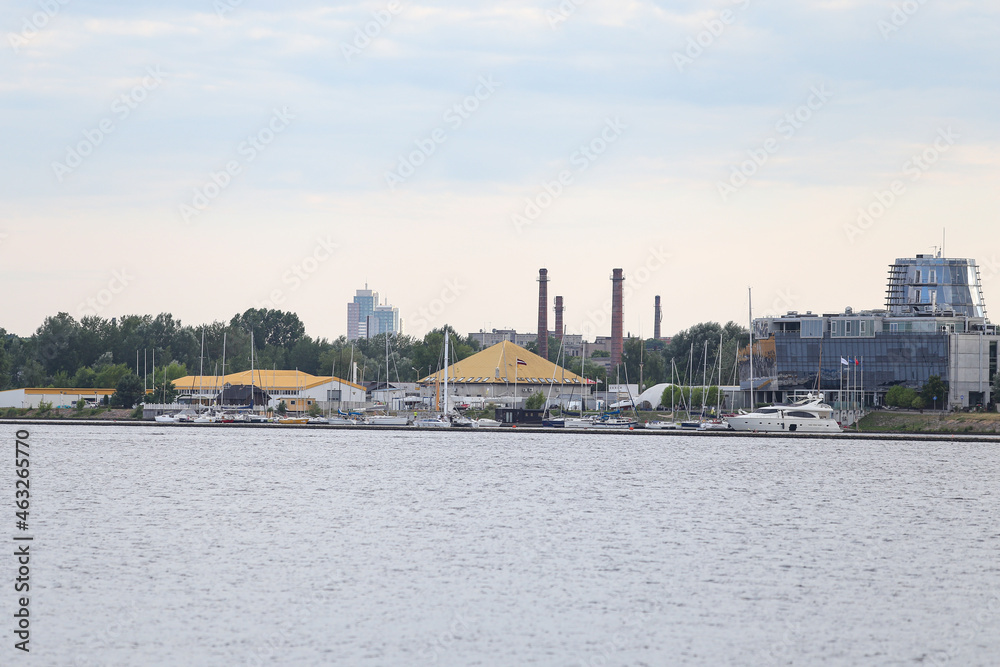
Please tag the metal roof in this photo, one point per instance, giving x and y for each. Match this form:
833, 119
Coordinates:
499, 364
269, 380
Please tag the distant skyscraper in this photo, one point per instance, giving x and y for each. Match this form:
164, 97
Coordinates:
366, 318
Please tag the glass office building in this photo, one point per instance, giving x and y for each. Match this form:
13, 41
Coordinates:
934, 324
366, 318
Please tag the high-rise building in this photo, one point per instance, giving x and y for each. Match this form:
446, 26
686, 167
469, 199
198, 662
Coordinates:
367, 318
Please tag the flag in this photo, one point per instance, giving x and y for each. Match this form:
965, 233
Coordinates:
522, 362
845, 362
857, 361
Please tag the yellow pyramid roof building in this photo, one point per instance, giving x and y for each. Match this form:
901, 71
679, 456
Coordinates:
502, 363
267, 380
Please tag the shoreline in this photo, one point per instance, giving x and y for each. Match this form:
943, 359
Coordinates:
848, 435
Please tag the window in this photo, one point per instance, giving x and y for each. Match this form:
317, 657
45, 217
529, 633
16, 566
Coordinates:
812, 328
918, 277
932, 276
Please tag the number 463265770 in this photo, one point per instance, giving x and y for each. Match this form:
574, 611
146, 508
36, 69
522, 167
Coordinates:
22, 485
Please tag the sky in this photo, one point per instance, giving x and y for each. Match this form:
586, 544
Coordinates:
202, 157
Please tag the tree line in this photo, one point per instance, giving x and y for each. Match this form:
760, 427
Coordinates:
99, 352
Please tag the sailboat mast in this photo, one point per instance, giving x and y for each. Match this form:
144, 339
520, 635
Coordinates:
201, 369
446, 371
750, 304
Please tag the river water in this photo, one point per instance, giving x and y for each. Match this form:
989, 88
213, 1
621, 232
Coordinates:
182, 546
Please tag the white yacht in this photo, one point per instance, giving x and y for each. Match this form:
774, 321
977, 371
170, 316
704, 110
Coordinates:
809, 415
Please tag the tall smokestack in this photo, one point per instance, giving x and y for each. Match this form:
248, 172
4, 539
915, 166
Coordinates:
559, 318
657, 316
543, 313
617, 280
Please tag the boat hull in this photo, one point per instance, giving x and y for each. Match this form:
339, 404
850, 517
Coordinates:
432, 423
775, 424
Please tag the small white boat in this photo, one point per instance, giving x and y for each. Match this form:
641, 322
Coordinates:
486, 423
715, 425
388, 420
614, 422
166, 419
433, 422
662, 425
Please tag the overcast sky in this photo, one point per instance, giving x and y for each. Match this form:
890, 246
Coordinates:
202, 157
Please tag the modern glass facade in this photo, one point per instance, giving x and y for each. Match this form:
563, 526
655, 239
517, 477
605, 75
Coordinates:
878, 362
935, 284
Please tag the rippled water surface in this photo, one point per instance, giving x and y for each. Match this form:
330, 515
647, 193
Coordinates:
176, 546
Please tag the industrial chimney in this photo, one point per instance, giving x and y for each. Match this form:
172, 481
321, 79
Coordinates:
559, 318
543, 313
657, 316
617, 281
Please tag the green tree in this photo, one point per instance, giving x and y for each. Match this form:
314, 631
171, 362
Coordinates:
110, 376
935, 392
671, 396
128, 391
4, 361
84, 377
270, 327
995, 394
163, 394
32, 374
918, 402
535, 401
900, 396
57, 344
282, 408
61, 380
314, 410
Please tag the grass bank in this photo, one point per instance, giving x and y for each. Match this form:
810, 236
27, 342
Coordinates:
930, 422
60, 413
